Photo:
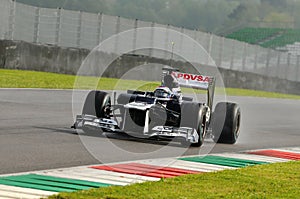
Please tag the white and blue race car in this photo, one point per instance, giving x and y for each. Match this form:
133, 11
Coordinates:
164, 114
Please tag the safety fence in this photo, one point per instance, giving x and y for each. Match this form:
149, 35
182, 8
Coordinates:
78, 29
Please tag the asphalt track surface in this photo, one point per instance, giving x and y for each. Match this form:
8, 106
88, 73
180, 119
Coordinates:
35, 132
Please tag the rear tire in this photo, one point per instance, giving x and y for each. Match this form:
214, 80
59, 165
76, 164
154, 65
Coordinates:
97, 103
193, 115
226, 123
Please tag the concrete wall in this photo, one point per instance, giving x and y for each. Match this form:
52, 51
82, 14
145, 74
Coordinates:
24, 55
253, 81
27, 56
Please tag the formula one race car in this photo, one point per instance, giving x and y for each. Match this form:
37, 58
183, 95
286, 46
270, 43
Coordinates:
163, 114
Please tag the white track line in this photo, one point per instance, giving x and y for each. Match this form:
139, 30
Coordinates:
122, 179
26, 190
101, 176
18, 192
290, 150
94, 178
252, 157
10, 194
90, 178
120, 175
187, 165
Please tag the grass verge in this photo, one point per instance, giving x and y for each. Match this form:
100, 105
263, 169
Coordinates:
33, 79
280, 180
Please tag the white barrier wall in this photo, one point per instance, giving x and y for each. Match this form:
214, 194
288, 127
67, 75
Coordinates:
86, 30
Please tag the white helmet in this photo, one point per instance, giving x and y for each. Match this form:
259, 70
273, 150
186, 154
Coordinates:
163, 92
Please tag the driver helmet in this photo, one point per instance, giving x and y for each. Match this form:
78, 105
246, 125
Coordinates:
163, 92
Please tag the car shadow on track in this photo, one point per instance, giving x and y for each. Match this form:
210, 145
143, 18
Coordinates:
113, 136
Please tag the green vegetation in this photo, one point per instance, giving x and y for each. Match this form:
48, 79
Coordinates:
279, 180
218, 16
288, 36
267, 37
253, 35
255, 93
33, 79
194, 14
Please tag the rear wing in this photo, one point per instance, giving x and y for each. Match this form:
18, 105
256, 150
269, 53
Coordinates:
201, 82
193, 81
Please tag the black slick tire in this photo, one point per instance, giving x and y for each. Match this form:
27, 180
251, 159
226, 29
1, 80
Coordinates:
98, 104
193, 116
226, 123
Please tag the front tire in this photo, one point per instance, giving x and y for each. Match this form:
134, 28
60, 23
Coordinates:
226, 123
97, 103
193, 116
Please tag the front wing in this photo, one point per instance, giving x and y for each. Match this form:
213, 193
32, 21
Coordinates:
89, 122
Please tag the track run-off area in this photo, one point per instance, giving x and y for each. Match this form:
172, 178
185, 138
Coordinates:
35, 132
